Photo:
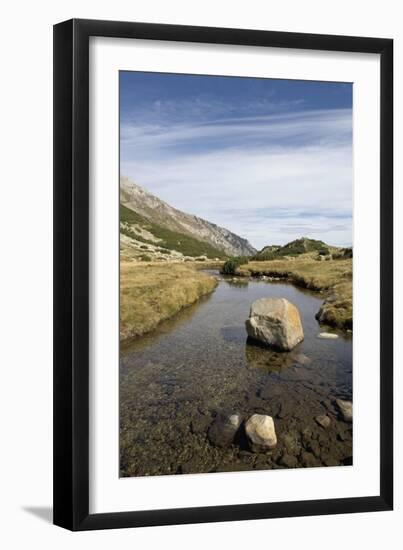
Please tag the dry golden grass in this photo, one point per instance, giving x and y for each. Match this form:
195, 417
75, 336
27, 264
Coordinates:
334, 277
153, 292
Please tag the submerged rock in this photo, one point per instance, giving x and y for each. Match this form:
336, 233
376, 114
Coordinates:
291, 443
323, 420
328, 335
275, 322
223, 429
260, 431
346, 409
289, 461
302, 359
309, 460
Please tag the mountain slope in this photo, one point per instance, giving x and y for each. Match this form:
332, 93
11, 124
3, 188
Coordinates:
146, 238
153, 209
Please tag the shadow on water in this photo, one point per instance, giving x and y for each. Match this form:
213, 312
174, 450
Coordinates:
174, 381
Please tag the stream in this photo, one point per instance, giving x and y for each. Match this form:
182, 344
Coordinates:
199, 364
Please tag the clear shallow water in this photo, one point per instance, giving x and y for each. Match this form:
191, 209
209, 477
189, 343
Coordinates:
174, 381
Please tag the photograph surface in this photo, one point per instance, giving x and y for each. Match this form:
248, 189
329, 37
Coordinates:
236, 255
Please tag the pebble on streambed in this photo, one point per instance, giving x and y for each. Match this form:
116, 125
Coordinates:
224, 428
260, 431
346, 409
328, 335
323, 420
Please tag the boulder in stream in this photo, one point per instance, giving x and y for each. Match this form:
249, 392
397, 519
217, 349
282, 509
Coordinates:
275, 322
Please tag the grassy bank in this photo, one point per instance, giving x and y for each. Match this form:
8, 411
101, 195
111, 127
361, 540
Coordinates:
334, 278
151, 293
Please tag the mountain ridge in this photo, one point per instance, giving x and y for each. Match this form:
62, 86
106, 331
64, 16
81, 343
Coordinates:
139, 200
293, 248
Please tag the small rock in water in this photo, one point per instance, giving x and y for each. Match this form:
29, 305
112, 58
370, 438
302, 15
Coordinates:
289, 461
309, 460
328, 335
323, 420
260, 431
306, 435
302, 359
223, 429
291, 443
346, 409
313, 447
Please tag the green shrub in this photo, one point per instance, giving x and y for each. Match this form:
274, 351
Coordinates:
323, 251
145, 258
343, 254
264, 256
232, 264
144, 247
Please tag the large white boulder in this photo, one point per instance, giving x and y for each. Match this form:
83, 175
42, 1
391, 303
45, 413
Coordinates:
275, 322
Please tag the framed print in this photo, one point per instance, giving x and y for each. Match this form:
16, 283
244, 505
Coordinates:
223, 259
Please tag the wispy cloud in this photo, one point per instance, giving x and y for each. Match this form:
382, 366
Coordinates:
329, 126
269, 178
206, 108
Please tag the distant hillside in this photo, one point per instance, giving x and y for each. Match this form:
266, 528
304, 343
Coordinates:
293, 248
218, 240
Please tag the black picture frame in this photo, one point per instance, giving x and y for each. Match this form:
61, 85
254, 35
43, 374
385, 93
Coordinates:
71, 274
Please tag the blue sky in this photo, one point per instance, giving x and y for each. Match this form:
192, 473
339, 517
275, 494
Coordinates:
268, 159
